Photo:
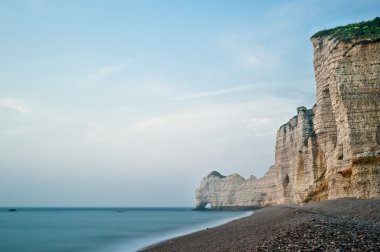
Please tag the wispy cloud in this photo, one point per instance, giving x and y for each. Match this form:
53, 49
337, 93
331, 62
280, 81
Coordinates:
109, 70
263, 126
227, 132
198, 121
35, 110
125, 108
214, 92
14, 104
250, 54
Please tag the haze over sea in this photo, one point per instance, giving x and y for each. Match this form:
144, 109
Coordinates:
100, 229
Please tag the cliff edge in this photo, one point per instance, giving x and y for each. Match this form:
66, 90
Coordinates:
329, 151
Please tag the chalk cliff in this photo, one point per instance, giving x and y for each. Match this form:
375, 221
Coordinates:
235, 192
329, 151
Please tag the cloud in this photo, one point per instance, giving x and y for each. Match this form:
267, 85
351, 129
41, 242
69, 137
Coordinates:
166, 126
214, 92
263, 126
251, 54
202, 119
14, 104
108, 70
209, 121
125, 108
215, 135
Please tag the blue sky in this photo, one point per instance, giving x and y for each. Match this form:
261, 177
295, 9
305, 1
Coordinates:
131, 103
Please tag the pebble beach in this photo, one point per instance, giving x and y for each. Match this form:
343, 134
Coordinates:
345, 224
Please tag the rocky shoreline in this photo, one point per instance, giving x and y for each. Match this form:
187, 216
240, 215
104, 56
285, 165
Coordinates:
344, 224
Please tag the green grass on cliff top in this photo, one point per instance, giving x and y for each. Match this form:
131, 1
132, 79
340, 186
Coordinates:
363, 32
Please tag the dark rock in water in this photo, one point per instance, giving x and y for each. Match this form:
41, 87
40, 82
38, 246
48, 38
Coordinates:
12, 210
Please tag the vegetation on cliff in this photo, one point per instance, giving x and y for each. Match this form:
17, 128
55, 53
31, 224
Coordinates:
363, 32
216, 174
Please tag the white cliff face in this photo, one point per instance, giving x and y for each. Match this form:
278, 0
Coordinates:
286, 181
295, 153
234, 191
330, 151
348, 117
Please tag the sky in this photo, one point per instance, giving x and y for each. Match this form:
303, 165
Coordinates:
131, 103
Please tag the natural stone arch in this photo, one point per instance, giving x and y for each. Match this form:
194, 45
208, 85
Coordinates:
202, 205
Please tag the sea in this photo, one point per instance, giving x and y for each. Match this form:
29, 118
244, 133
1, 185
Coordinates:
101, 229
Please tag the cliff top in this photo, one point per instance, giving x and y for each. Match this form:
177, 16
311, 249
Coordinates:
362, 32
215, 174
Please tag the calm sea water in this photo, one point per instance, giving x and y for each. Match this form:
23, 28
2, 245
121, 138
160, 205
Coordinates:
100, 229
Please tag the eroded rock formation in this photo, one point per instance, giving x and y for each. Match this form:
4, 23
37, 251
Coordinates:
235, 192
329, 151
347, 118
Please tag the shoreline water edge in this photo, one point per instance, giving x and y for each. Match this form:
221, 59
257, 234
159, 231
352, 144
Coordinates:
207, 226
333, 225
